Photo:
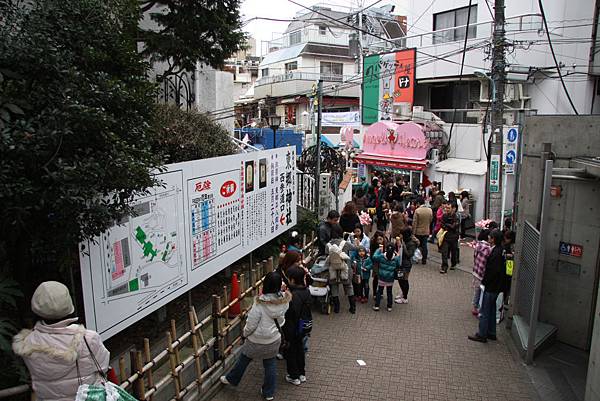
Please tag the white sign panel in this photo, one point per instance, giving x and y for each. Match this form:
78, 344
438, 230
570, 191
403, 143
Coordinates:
509, 150
206, 215
342, 119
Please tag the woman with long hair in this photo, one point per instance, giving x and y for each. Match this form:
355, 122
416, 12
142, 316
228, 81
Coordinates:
290, 259
263, 334
349, 217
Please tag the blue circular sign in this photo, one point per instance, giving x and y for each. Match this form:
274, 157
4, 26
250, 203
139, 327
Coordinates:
511, 157
512, 135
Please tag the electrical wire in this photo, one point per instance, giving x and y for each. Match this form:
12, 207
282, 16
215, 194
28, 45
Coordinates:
554, 57
421, 16
351, 82
460, 76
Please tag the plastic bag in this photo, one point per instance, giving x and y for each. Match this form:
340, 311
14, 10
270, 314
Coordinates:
418, 256
102, 392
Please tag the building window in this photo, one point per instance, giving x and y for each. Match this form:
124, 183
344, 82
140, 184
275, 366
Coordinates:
291, 66
331, 71
264, 72
322, 30
451, 19
295, 38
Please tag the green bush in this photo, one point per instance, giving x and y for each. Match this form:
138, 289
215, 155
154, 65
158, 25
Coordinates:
182, 135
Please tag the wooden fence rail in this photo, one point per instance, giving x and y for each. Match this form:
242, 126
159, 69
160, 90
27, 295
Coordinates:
191, 349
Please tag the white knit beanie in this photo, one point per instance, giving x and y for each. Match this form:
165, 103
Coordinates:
51, 300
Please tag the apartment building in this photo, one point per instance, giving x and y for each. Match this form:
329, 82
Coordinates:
317, 45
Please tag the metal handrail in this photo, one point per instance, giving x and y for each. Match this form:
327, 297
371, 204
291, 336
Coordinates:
420, 36
302, 76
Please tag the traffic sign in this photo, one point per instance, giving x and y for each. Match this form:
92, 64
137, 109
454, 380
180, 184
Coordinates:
509, 150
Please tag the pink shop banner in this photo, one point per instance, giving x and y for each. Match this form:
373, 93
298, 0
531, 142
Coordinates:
405, 141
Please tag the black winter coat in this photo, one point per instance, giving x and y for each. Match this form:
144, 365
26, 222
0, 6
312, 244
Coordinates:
300, 303
494, 277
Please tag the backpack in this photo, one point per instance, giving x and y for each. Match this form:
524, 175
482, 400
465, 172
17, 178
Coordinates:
305, 322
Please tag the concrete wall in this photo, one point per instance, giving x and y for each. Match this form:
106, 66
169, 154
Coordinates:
570, 284
214, 91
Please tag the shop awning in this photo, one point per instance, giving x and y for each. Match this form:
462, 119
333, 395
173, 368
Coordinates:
462, 166
399, 163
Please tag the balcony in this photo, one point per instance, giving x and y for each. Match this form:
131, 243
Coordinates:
299, 82
329, 36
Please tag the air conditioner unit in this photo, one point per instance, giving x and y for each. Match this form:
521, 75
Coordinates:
512, 92
434, 155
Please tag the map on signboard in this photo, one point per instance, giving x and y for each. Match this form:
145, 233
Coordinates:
142, 255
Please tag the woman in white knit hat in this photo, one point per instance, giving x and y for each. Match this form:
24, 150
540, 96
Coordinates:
58, 351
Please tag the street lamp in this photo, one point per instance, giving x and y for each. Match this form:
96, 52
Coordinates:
274, 123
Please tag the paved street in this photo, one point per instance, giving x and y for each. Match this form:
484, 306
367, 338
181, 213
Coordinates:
419, 351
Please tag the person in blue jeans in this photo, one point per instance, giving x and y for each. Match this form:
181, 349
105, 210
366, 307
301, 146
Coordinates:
263, 335
493, 282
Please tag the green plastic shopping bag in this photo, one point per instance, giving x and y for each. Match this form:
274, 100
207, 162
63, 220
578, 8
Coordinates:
102, 392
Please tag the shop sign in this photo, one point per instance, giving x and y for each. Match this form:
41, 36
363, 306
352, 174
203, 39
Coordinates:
568, 249
406, 140
495, 173
343, 119
388, 80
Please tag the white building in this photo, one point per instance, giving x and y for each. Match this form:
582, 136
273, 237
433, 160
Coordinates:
319, 45
437, 30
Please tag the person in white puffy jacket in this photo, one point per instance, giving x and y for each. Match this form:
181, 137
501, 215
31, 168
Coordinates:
55, 351
263, 336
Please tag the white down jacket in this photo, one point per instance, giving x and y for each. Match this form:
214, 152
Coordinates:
260, 326
50, 352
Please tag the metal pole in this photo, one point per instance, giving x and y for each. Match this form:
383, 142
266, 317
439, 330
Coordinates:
539, 274
498, 78
274, 136
318, 144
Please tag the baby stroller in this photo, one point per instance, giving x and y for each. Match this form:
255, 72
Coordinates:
319, 289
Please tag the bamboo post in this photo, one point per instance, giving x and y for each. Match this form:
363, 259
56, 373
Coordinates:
253, 282
226, 302
259, 269
216, 323
132, 365
197, 363
201, 337
122, 373
270, 264
174, 335
148, 358
139, 383
173, 365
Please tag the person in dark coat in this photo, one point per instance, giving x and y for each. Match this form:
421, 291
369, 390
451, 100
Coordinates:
349, 218
493, 282
449, 247
298, 320
324, 230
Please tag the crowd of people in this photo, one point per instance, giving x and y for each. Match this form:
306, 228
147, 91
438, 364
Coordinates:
401, 224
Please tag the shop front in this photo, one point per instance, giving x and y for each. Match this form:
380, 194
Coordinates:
400, 149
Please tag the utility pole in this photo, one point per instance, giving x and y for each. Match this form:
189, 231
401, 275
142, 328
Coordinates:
498, 77
318, 144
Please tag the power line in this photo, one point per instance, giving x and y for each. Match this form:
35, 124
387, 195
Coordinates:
554, 56
355, 81
421, 16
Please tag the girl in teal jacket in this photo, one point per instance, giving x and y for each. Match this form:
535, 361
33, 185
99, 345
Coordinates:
389, 263
362, 265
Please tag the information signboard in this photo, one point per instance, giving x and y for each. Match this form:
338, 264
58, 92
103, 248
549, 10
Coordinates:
495, 173
206, 215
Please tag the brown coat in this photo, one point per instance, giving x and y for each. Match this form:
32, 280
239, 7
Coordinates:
398, 224
422, 220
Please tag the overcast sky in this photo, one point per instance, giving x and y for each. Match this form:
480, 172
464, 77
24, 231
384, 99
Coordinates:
263, 30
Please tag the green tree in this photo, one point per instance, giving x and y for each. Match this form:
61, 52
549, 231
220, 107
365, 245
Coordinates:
185, 32
75, 136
